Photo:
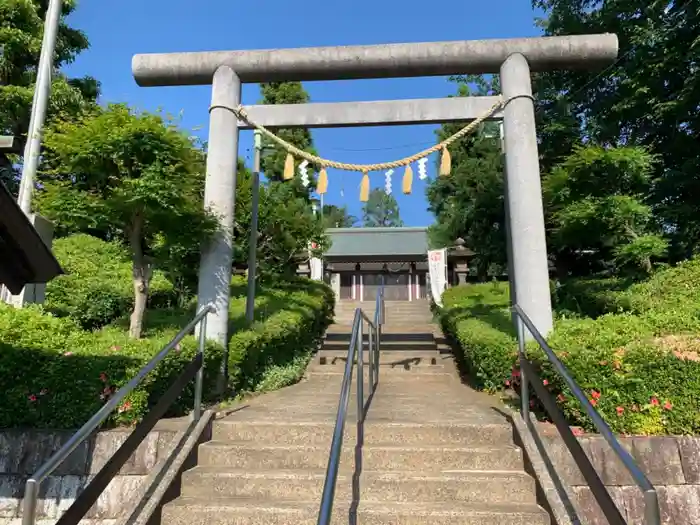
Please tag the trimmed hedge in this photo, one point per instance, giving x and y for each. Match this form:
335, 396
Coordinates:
98, 287
290, 320
641, 368
56, 374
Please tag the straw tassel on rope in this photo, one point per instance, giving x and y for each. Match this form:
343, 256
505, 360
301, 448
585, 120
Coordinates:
407, 181
364, 187
322, 184
288, 167
445, 162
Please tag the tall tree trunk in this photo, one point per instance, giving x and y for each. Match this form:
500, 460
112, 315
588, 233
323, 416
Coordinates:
141, 274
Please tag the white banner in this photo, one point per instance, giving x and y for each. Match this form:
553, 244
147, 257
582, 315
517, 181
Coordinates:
316, 267
437, 268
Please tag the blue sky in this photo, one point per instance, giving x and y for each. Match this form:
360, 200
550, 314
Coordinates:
118, 30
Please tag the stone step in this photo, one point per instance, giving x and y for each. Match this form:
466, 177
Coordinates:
396, 358
244, 511
385, 345
475, 486
389, 373
315, 431
386, 362
398, 336
387, 329
249, 456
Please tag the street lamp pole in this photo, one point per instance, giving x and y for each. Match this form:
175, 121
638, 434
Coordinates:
42, 91
253, 241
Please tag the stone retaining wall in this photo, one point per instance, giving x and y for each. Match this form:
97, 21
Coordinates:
672, 464
23, 452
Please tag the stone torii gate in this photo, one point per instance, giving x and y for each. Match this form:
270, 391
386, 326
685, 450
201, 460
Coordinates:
514, 59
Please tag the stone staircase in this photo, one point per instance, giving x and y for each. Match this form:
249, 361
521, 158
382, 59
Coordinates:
433, 451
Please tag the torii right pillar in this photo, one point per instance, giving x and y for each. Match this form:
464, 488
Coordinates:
525, 214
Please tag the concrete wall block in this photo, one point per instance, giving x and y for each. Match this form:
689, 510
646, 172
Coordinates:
680, 504
606, 463
587, 508
166, 444
142, 460
115, 499
23, 452
689, 449
11, 489
57, 493
659, 459
562, 460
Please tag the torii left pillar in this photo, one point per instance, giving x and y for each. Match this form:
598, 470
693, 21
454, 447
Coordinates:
219, 198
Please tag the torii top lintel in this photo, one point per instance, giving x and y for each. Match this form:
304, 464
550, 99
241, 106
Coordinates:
376, 61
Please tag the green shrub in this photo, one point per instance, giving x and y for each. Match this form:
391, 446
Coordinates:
290, 320
56, 375
98, 286
591, 297
641, 368
477, 317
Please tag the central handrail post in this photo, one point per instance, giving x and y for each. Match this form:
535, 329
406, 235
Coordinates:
360, 374
370, 355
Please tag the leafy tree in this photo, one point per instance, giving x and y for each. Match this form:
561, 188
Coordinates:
469, 204
132, 176
286, 224
596, 213
274, 157
381, 210
649, 97
338, 217
21, 33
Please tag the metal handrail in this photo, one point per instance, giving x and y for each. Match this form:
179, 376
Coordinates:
355, 350
651, 500
31, 491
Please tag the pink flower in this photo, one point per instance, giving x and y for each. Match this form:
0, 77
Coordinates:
507, 382
125, 406
31, 397
620, 411
561, 398
516, 372
576, 431
68, 354
668, 405
545, 382
103, 377
654, 402
595, 395
594, 402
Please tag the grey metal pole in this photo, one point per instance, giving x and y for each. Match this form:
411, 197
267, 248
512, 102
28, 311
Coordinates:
509, 240
524, 194
40, 102
253, 241
219, 196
